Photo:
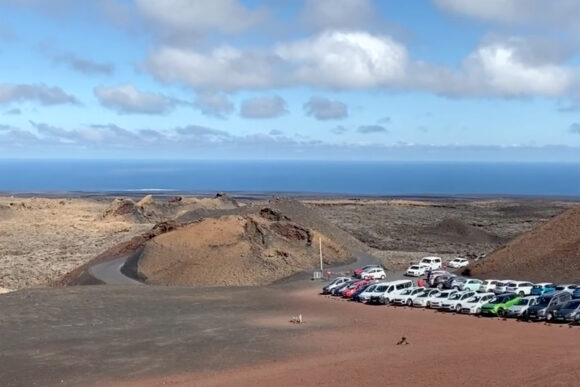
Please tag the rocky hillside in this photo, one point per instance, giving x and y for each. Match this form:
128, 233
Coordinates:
550, 252
236, 250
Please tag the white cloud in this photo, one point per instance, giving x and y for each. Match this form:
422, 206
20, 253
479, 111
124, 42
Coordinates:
345, 60
224, 68
369, 129
180, 19
45, 95
337, 14
127, 99
264, 107
503, 72
548, 13
213, 104
325, 109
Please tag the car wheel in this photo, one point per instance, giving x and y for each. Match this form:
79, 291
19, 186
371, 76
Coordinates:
521, 294
409, 302
428, 304
458, 308
501, 312
387, 301
549, 317
478, 311
456, 287
383, 277
439, 286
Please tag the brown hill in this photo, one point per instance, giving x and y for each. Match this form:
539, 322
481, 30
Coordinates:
456, 229
150, 210
235, 250
550, 252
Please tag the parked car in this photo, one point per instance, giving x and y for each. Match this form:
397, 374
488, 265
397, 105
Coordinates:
416, 270
433, 263
566, 288
365, 294
576, 293
365, 268
333, 284
375, 273
434, 274
373, 297
458, 263
542, 288
435, 302
407, 296
337, 291
361, 290
461, 283
455, 302
355, 287
501, 287
547, 305
444, 281
488, 285
498, 305
568, 312
521, 288
423, 300
394, 288
519, 309
474, 304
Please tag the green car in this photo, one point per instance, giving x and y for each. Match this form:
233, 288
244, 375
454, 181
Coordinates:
498, 305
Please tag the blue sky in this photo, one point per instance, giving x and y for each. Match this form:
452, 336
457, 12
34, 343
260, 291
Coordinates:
291, 79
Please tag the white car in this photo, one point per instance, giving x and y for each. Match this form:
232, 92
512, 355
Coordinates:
416, 270
458, 263
566, 288
394, 288
432, 263
520, 308
501, 286
375, 273
435, 302
423, 300
488, 285
474, 304
407, 296
521, 288
461, 283
365, 296
455, 302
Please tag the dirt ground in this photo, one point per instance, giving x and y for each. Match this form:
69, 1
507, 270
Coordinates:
402, 231
156, 336
43, 239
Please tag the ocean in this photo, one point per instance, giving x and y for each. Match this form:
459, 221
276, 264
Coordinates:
293, 177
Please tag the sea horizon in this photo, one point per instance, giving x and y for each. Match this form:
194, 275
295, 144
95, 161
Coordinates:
292, 177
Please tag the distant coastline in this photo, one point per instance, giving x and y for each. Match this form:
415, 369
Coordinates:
291, 178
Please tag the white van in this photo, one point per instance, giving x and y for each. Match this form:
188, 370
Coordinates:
393, 288
433, 262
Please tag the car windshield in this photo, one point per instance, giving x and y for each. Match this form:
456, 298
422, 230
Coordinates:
460, 279
370, 288
524, 301
571, 304
443, 295
381, 288
425, 294
456, 296
407, 291
511, 284
560, 287
414, 267
544, 301
499, 300
475, 299
500, 284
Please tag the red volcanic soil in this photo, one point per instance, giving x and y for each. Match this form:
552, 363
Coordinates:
550, 252
358, 346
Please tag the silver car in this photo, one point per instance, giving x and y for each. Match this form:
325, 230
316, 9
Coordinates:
521, 307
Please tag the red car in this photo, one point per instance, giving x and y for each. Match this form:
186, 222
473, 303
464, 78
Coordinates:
352, 289
361, 269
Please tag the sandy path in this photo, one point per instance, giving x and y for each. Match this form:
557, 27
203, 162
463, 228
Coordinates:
444, 349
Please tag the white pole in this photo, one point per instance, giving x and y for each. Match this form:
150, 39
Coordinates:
320, 244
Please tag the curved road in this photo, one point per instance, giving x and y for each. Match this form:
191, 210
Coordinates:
110, 272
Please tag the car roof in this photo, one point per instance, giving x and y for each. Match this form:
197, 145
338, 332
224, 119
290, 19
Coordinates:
544, 284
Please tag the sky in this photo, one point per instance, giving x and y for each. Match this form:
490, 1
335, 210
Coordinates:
447, 80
